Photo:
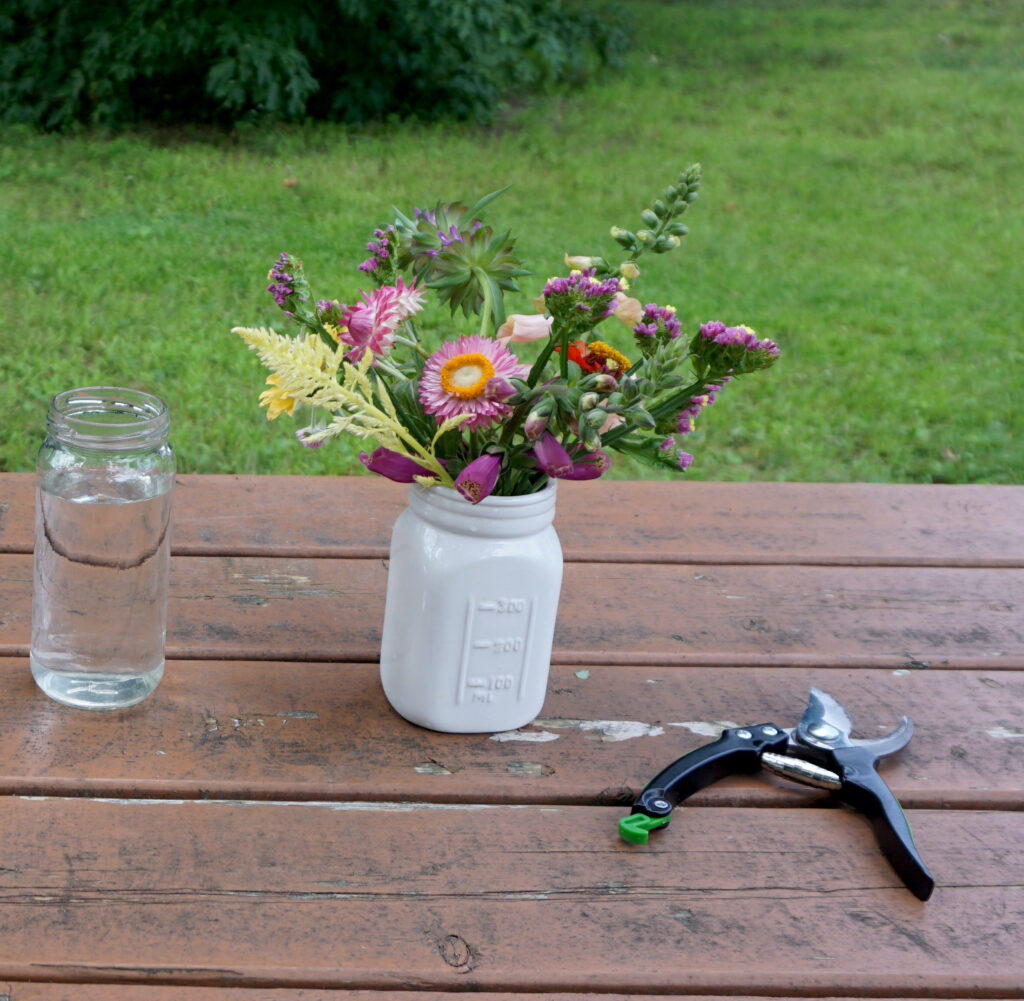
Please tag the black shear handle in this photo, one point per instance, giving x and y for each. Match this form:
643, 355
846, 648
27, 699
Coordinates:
736, 752
864, 790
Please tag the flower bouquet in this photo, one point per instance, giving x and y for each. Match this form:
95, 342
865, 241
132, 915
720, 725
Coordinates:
484, 423
470, 413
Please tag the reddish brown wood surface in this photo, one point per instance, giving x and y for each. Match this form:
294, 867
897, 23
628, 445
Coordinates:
252, 831
259, 607
261, 730
24, 991
503, 898
859, 523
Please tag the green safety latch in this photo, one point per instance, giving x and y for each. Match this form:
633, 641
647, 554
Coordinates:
637, 827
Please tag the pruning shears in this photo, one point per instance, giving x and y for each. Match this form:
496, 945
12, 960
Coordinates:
818, 751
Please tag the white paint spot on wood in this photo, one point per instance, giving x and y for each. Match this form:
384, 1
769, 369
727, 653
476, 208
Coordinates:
711, 728
431, 768
1005, 733
611, 730
527, 736
583, 675
902, 673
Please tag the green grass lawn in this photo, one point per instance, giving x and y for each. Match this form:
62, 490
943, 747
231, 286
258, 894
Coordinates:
861, 206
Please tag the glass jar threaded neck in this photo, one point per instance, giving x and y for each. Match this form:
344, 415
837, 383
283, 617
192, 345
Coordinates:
108, 419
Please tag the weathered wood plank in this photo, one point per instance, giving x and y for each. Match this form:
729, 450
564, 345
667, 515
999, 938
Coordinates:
503, 898
858, 523
262, 730
24, 991
260, 607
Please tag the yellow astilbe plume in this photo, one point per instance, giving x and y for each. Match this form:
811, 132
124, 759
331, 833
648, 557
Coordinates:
308, 371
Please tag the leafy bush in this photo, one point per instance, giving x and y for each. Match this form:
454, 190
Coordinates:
68, 61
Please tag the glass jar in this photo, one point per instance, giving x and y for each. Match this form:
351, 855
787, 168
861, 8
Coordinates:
104, 481
469, 619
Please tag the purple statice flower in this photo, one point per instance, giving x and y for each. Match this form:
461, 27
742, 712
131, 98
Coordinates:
425, 215
718, 333
329, 311
479, 478
281, 279
380, 250
674, 453
581, 292
657, 322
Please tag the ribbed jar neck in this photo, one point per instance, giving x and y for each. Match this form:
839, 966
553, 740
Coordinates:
108, 419
493, 517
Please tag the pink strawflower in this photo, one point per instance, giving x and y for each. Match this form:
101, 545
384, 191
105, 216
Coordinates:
455, 380
409, 298
371, 323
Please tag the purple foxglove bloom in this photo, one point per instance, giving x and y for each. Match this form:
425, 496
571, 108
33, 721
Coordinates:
395, 467
478, 479
551, 457
589, 466
500, 389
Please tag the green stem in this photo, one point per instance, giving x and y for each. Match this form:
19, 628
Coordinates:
487, 313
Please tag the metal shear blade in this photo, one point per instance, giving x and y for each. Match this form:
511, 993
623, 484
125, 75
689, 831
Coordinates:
826, 725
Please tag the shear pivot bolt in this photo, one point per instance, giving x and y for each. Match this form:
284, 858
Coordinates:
824, 731
769, 731
661, 804
744, 734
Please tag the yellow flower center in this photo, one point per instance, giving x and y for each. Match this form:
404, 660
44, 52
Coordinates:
615, 360
466, 376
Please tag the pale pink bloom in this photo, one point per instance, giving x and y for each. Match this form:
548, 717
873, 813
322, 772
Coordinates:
372, 322
628, 310
522, 329
578, 262
409, 298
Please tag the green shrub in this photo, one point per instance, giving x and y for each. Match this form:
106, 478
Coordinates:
78, 61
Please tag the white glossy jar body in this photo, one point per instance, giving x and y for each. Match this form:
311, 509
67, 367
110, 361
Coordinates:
470, 615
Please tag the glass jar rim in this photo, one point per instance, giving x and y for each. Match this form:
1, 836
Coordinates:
108, 418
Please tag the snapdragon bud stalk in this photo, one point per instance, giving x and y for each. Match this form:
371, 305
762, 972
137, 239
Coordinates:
588, 401
537, 419
599, 382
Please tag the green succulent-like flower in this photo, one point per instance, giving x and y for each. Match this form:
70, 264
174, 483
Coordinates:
451, 251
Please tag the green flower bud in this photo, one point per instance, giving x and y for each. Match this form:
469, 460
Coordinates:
595, 419
649, 217
660, 208
645, 236
677, 229
623, 237
641, 418
671, 193
588, 401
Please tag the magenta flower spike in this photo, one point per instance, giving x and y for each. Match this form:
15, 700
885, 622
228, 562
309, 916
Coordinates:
479, 478
390, 464
551, 457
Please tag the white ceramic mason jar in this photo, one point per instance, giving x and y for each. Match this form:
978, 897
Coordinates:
470, 615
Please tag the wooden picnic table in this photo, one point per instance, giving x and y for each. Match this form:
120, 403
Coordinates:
265, 827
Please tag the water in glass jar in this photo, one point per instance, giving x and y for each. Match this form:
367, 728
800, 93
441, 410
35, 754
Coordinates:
100, 588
